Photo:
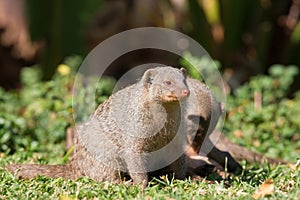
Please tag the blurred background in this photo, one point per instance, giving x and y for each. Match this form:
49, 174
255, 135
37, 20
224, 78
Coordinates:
247, 36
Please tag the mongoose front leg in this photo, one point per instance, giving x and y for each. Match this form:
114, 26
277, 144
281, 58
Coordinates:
136, 168
139, 179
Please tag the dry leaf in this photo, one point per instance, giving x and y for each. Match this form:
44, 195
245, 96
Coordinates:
267, 188
148, 197
66, 197
238, 133
294, 166
256, 143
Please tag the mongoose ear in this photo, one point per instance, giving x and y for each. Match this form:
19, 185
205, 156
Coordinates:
183, 71
148, 76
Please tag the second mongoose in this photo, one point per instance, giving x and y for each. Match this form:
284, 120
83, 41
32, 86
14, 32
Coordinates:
203, 112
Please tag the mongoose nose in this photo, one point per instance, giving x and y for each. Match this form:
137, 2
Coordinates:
185, 92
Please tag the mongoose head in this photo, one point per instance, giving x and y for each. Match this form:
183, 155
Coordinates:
166, 84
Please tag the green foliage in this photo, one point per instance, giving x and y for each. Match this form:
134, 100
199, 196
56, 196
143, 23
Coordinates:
40, 112
199, 68
104, 89
263, 117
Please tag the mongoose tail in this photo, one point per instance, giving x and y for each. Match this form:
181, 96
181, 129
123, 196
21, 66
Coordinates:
241, 153
32, 170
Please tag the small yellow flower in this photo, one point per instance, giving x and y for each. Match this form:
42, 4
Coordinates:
63, 69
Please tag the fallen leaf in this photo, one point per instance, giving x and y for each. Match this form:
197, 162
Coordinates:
256, 143
294, 166
148, 197
266, 188
66, 197
238, 133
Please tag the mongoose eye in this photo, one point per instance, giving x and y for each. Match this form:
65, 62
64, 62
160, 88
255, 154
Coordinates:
168, 82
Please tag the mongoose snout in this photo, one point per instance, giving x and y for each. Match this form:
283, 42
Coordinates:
177, 95
185, 92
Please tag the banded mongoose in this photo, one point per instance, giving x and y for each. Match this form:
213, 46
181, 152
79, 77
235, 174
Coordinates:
134, 122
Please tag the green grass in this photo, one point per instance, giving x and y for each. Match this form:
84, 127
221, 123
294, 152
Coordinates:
287, 183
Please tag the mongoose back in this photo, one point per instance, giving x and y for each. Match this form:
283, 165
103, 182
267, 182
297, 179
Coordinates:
134, 122
203, 112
